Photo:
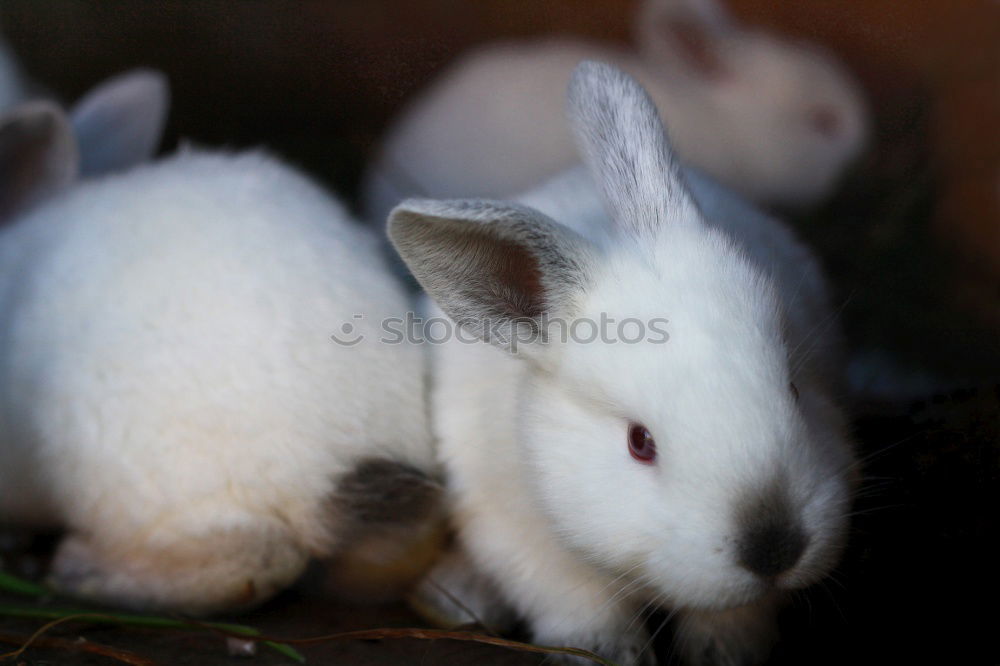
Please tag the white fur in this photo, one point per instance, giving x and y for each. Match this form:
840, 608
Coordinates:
492, 125
169, 388
550, 507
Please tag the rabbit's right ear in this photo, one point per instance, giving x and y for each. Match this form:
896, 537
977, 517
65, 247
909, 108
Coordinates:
120, 122
38, 156
497, 269
625, 148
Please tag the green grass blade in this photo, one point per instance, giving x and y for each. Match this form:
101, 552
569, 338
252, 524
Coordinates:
146, 622
24, 588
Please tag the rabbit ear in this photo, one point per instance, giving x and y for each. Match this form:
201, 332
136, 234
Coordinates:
119, 123
711, 14
693, 46
622, 140
497, 269
38, 155
685, 36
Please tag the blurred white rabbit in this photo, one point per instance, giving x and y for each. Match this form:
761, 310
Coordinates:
773, 119
596, 470
169, 389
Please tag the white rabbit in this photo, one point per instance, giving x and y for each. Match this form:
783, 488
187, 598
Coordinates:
707, 469
169, 389
775, 120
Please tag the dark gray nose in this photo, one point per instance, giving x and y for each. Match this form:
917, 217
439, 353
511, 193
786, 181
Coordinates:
771, 548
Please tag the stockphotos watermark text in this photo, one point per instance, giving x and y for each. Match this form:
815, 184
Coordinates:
414, 329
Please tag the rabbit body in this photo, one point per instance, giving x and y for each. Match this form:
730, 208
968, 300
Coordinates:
169, 388
556, 520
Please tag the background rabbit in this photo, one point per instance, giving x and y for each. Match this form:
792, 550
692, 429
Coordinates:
589, 481
169, 390
118, 123
110, 135
775, 120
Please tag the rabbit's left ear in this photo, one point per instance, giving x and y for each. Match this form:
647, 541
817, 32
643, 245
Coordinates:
120, 122
497, 269
38, 156
625, 147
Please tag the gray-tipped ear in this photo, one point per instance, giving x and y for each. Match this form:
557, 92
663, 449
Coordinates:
624, 145
120, 122
497, 269
38, 156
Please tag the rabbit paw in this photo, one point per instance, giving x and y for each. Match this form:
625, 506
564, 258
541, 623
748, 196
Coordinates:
455, 594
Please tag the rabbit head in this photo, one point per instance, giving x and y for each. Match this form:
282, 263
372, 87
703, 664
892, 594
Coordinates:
797, 115
662, 423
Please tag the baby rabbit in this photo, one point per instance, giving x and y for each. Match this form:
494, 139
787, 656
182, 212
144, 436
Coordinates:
775, 120
169, 389
691, 457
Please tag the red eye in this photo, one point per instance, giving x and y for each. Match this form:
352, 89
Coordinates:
641, 444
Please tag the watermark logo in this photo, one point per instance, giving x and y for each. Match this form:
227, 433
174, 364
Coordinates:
507, 333
349, 335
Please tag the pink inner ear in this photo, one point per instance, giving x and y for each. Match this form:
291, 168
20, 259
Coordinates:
695, 45
518, 280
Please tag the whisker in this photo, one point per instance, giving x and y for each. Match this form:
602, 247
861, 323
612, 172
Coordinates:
875, 509
814, 335
656, 633
453, 598
621, 575
874, 454
833, 599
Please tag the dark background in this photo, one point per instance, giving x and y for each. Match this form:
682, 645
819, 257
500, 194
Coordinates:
911, 243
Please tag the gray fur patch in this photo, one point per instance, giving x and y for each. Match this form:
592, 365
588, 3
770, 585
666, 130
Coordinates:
382, 492
771, 536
